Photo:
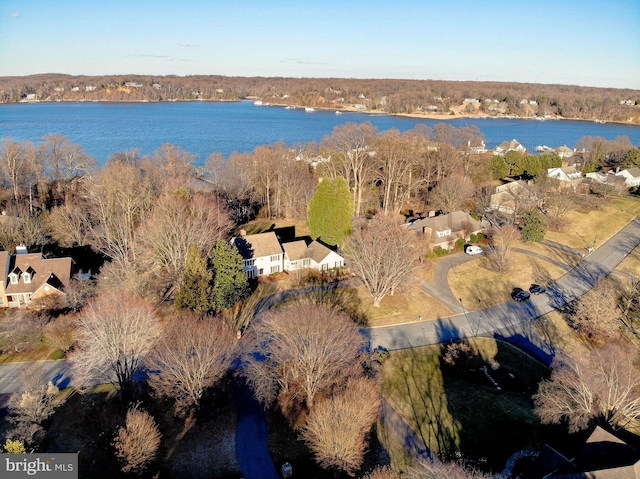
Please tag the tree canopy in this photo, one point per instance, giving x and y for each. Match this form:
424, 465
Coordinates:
330, 211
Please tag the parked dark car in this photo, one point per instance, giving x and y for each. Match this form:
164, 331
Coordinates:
520, 294
537, 289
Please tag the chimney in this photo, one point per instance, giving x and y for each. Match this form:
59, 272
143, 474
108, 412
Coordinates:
21, 249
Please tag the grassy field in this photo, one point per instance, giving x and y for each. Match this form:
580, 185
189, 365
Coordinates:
488, 425
597, 225
473, 281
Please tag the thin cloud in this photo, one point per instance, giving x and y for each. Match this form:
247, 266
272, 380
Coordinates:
187, 45
15, 15
302, 62
146, 55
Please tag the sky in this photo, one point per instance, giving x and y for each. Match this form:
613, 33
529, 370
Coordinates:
576, 42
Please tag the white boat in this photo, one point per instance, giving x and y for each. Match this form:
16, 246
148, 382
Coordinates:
309, 109
338, 113
287, 108
258, 103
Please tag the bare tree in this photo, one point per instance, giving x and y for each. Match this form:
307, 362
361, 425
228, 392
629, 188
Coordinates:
21, 330
351, 157
503, 239
180, 220
192, 355
336, 428
298, 351
606, 386
437, 469
137, 442
382, 253
558, 200
452, 192
382, 472
598, 315
116, 331
34, 403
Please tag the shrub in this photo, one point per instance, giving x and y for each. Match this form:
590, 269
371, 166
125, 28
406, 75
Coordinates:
459, 244
431, 255
439, 251
57, 354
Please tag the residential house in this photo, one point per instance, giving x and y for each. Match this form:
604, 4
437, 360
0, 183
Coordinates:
509, 195
564, 152
604, 455
567, 174
261, 253
30, 277
507, 146
631, 176
444, 230
299, 255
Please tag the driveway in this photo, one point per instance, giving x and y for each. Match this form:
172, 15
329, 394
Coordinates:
515, 319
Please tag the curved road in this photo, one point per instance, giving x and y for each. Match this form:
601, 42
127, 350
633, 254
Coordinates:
513, 320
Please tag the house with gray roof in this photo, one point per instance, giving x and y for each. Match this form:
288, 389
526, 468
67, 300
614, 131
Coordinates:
507, 146
568, 174
631, 176
444, 230
263, 254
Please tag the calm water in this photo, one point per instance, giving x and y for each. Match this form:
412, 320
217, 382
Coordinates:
203, 127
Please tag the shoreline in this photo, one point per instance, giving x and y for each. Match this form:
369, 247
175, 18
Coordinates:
349, 109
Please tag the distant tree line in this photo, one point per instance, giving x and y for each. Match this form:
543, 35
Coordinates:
391, 96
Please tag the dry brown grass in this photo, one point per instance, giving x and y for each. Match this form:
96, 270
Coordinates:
472, 281
598, 224
403, 307
631, 264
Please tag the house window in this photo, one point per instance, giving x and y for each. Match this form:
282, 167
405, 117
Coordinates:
251, 273
324, 267
338, 264
306, 262
14, 278
274, 269
440, 234
249, 262
275, 258
26, 277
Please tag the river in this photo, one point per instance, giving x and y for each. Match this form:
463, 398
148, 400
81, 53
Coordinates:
202, 128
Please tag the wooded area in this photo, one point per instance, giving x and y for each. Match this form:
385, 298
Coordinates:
434, 97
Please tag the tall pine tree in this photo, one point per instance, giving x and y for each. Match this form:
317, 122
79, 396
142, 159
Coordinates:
230, 284
330, 211
195, 292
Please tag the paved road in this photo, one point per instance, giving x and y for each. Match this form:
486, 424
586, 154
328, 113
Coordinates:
55, 371
514, 320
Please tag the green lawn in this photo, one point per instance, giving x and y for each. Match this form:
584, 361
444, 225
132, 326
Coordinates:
460, 412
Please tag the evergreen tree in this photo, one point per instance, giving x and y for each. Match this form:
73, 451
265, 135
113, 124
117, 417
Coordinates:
195, 293
330, 211
499, 167
230, 284
533, 228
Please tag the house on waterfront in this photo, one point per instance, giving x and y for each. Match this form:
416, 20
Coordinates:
507, 146
631, 176
564, 152
567, 174
30, 278
263, 254
445, 230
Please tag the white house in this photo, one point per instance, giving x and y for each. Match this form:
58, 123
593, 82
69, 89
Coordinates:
299, 255
507, 146
261, 253
566, 173
631, 176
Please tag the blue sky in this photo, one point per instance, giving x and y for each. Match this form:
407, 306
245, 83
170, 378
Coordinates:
582, 42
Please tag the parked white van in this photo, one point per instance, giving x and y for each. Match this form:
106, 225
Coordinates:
472, 249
